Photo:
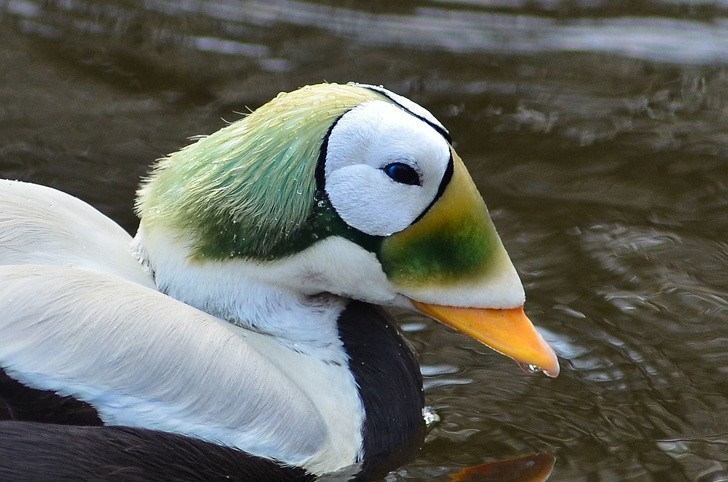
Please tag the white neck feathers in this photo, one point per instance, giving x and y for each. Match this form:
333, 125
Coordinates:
296, 299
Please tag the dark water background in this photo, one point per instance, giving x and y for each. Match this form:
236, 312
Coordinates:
597, 132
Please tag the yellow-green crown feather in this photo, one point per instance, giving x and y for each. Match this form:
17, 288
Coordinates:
248, 188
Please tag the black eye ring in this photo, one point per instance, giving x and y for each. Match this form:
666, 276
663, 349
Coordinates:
402, 173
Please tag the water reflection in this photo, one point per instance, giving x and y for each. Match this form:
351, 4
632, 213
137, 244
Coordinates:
460, 30
527, 468
472, 31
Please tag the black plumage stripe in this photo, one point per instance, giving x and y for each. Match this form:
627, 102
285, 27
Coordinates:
321, 162
32, 451
446, 177
381, 90
21, 403
390, 386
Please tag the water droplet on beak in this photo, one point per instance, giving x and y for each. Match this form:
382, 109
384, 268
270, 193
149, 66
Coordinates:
530, 368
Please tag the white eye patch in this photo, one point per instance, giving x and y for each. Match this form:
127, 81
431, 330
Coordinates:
383, 167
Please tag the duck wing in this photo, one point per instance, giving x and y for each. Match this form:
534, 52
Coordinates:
144, 360
41, 225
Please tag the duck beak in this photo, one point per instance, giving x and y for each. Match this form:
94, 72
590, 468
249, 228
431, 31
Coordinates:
508, 332
452, 266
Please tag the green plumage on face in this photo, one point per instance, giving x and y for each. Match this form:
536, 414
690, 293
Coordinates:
454, 241
460, 249
248, 189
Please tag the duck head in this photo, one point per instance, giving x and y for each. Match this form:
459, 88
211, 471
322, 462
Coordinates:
350, 190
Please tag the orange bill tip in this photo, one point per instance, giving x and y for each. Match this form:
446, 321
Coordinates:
508, 332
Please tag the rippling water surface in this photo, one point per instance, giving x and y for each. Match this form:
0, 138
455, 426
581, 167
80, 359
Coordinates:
597, 132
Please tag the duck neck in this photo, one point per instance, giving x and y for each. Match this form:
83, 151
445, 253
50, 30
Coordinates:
242, 293
348, 357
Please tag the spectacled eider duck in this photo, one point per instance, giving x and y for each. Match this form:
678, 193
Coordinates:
239, 334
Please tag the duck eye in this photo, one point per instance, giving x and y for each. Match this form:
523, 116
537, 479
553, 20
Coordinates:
402, 173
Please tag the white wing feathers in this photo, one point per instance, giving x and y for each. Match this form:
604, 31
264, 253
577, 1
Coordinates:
80, 316
41, 225
144, 359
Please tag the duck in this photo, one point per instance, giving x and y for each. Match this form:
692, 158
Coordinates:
245, 332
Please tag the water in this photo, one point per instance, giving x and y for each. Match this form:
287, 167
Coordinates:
596, 131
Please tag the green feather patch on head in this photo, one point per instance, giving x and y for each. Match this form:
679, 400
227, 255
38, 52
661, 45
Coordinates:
454, 241
248, 189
